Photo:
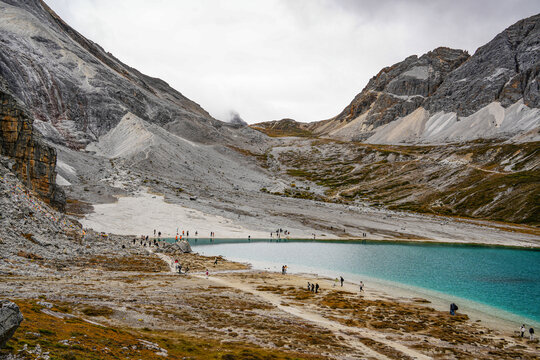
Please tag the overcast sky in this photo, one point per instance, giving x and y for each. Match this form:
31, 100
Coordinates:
267, 60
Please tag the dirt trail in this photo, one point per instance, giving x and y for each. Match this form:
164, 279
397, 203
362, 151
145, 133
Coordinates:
337, 328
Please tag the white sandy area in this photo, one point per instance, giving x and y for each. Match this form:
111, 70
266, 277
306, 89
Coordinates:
141, 214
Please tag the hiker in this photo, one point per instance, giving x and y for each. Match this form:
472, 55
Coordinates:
522, 330
316, 287
308, 286
531, 332
453, 309
312, 287
342, 280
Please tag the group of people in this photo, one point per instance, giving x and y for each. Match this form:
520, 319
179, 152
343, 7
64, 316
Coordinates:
313, 287
178, 267
280, 232
145, 241
531, 331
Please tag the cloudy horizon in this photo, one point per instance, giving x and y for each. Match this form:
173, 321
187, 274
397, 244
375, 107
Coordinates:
272, 59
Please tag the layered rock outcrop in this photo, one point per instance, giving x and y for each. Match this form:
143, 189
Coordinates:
33, 161
10, 319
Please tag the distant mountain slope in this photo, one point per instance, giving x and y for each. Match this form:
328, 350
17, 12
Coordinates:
77, 90
446, 96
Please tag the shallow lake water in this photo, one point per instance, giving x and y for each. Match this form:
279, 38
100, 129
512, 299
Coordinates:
503, 278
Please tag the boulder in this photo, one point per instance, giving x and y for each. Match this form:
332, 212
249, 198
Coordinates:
181, 246
10, 319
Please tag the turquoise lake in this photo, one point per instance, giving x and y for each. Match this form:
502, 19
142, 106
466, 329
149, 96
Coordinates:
504, 278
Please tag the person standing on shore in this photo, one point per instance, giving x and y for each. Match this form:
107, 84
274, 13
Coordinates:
361, 286
207, 273
341, 279
316, 287
453, 309
522, 330
309, 287
531, 332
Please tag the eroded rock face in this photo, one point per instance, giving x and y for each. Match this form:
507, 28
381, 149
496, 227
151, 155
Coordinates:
506, 69
400, 89
10, 319
33, 161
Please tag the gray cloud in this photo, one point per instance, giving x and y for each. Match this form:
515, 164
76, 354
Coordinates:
303, 59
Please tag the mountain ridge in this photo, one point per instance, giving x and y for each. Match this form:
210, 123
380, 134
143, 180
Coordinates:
443, 81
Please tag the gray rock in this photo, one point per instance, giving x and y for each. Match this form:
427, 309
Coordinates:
10, 319
506, 69
181, 246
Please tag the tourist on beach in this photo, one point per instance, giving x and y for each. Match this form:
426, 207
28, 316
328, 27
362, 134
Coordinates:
342, 280
312, 287
215, 261
316, 287
159, 234
308, 286
361, 286
522, 330
179, 268
207, 273
531, 332
453, 309
154, 232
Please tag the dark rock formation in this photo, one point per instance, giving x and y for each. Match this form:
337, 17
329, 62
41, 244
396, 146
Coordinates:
32, 160
10, 319
401, 88
506, 69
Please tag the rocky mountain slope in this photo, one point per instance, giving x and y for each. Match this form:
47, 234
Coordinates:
77, 91
446, 96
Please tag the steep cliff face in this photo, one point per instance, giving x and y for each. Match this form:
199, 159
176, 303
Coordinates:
401, 88
30, 159
77, 91
506, 70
